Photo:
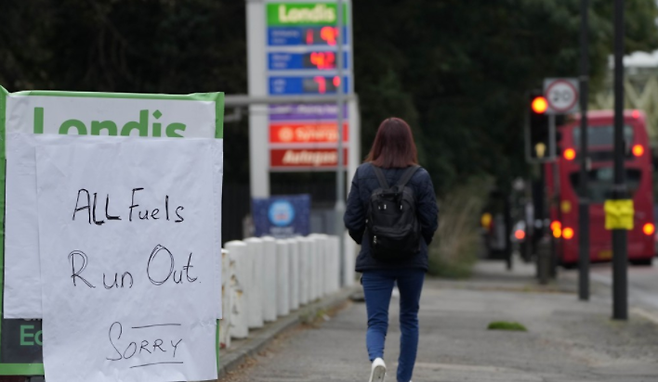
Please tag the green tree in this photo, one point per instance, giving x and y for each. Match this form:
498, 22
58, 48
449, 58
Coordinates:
459, 70
455, 70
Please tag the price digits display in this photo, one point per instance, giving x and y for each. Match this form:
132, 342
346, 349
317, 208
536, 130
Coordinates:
320, 84
305, 36
321, 36
319, 60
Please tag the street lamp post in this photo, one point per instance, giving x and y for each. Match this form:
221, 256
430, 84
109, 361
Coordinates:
583, 205
340, 173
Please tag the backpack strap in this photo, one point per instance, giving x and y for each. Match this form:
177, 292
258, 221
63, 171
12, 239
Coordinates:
406, 176
380, 176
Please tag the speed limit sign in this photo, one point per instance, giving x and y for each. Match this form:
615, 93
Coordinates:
562, 95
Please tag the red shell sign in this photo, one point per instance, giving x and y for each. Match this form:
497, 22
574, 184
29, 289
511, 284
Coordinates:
306, 133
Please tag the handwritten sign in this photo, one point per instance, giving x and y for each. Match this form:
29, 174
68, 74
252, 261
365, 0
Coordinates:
127, 240
33, 115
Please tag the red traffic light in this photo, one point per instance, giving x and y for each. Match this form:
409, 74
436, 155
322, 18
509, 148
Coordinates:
539, 105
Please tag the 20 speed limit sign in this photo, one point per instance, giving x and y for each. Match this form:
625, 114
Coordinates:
562, 95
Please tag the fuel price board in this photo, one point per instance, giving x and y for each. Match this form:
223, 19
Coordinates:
302, 47
302, 59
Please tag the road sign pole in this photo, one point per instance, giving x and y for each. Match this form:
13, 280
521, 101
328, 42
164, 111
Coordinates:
340, 173
553, 197
551, 133
619, 236
583, 205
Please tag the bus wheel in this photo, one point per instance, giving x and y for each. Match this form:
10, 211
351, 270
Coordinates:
642, 262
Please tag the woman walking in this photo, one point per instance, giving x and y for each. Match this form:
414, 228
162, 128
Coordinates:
392, 160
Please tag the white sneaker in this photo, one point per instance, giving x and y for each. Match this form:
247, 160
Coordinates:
378, 370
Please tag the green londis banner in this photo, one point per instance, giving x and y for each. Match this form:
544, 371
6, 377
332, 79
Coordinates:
294, 14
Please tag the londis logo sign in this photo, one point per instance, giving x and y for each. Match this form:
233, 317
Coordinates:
282, 14
157, 118
141, 127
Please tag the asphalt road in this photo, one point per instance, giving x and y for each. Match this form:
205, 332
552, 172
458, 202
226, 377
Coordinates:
566, 341
642, 284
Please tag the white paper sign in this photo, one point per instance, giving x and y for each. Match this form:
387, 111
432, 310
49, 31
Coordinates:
128, 266
30, 118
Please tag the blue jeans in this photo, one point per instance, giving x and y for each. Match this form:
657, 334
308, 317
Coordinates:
377, 287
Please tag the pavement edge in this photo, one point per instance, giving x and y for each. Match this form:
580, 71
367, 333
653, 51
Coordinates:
260, 338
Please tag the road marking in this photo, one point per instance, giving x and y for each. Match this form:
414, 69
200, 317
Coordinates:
445, 366
643, 313
478, 373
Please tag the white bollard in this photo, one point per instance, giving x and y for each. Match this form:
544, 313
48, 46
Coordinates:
313, 274
253, 290
238, 255
334, 259
269, 279
225, 322
231, 284
282, 278
293, 273
349, 259
321, 265
304, 245
328, 266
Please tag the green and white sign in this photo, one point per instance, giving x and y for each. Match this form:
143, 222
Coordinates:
105, 184
292, 14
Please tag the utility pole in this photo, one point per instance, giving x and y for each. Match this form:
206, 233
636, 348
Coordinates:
340, 171
553, 198
619, 191
583, 202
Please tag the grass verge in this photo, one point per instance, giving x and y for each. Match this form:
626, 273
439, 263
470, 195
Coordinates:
505, 325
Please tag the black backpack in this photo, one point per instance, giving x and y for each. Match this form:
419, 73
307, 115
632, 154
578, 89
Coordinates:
391, 221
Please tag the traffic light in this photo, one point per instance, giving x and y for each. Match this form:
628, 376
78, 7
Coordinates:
538, 140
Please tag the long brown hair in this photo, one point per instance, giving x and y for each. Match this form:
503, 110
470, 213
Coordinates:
394, 145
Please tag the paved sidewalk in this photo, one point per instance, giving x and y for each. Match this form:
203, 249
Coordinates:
567, 340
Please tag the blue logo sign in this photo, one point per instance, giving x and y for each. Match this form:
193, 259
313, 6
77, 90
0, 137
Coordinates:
282, 216
281, 213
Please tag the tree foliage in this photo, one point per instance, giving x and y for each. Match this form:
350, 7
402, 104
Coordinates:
456, 70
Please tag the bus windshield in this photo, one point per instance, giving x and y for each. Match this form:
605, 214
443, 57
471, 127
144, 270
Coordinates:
600, 182
601, 135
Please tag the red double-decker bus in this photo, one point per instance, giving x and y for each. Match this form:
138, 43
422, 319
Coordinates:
563, 188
